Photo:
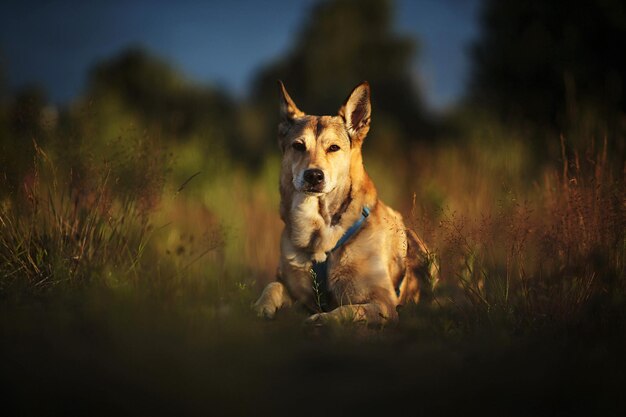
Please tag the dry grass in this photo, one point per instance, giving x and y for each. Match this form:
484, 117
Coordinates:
512, 251
544, 256
73, 229
114, 274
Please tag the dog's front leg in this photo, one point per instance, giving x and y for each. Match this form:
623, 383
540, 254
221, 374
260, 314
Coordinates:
273, 297
371, 314
325, 242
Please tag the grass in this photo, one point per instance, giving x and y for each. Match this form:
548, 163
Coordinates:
126, 281
62, 237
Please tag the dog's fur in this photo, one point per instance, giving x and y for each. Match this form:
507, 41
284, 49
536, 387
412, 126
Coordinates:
364, 272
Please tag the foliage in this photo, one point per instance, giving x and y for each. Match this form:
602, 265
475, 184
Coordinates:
139, 223
342, 43
22, 118
157, 92
536, 263
541, 63
72, 230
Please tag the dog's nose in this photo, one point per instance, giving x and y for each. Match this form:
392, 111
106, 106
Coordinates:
314, 176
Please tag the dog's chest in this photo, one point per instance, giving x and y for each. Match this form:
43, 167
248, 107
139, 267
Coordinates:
307, 220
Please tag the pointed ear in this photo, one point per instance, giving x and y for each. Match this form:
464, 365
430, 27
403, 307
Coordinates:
288, 109
356, 112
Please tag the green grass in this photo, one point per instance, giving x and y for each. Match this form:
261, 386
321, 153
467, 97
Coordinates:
124, 292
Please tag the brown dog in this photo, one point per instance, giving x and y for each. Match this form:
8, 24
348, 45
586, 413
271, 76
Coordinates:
344, 254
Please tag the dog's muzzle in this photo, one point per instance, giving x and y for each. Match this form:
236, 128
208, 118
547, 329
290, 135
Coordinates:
314, 179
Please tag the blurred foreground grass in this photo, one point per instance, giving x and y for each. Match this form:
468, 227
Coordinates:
105, 354
125, 285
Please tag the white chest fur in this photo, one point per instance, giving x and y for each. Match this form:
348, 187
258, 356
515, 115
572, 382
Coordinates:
306, 221
310, 229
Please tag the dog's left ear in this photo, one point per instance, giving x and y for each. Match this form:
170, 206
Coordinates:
289, 112
356, 112
288, 109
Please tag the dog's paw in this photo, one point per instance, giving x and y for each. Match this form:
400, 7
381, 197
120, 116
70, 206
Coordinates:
319, 257
264, 311
319, 319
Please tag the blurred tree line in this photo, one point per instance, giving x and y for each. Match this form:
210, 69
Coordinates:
160, 95
343, 43
545, 66
555, 66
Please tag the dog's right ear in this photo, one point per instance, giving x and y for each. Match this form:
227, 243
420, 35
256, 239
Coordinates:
356, 112
288, 109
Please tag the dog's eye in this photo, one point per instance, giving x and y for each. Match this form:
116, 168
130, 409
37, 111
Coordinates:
333, 148
298, 146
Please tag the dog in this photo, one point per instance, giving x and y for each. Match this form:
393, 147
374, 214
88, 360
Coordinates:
344, 254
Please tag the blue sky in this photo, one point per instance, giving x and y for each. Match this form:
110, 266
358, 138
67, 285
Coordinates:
54, 43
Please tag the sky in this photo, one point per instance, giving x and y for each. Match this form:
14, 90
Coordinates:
54, 43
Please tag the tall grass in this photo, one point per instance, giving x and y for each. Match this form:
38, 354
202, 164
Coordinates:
73, 226
543, 257
126, 279
516, 248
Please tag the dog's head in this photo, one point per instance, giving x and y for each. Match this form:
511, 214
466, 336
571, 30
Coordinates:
318, 150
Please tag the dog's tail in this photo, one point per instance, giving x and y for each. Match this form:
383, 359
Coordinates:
422, 272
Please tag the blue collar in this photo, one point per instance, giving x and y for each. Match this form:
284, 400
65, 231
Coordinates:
353, 229
319, 270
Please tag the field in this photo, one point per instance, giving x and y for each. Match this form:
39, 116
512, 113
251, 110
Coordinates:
128, 265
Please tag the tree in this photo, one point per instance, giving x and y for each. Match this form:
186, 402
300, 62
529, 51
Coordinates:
343, 43
546, 62
161, 96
